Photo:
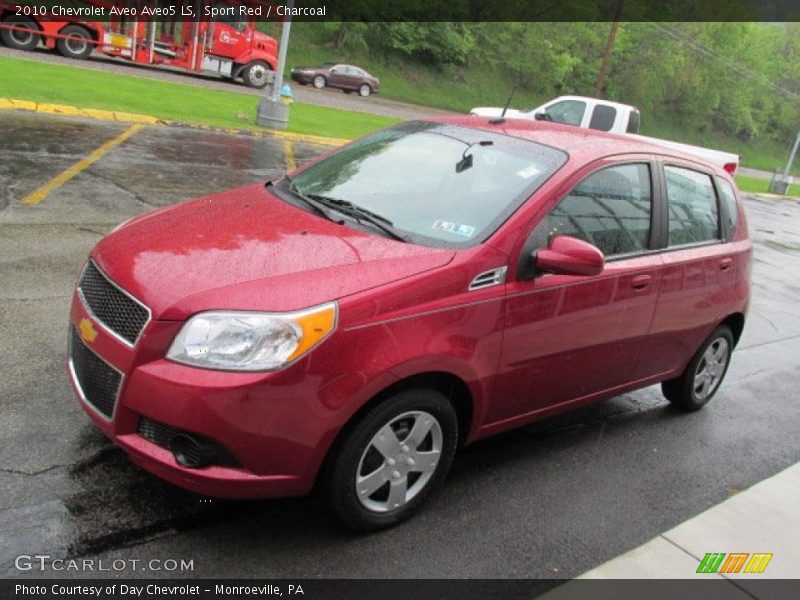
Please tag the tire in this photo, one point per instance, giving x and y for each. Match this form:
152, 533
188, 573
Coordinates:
256, 74
79, 49
319, 82
21, 40
700, 381
393, 482
364, 90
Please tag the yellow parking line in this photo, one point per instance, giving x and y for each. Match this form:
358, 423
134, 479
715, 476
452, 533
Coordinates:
288, 152
42, 192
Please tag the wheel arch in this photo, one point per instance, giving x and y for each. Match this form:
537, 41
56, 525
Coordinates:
450, 385
736, 322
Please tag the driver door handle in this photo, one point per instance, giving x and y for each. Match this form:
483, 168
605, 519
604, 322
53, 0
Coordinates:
640, 282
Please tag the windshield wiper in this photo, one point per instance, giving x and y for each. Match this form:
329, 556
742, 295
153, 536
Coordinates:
319, 207
361, 215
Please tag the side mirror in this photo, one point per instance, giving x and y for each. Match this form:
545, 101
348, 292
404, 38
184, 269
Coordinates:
542, 116
566, 255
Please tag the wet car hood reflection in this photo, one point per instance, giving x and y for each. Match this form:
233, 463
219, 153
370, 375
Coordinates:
247, 249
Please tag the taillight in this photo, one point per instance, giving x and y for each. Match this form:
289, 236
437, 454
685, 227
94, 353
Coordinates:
730, 167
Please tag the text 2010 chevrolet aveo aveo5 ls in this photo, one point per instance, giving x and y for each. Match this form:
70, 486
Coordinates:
348, 327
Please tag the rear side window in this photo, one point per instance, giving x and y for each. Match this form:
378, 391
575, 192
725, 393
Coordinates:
693, 215
603, 117
728, 198
611, 209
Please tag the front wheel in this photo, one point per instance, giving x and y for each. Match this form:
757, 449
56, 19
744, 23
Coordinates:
256, 74
319, 82
78, 45
21, 39
364, 90
700, 381
396, 455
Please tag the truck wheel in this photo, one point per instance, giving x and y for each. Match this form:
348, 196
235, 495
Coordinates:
392, 459
16, 38
319, 82
256, 74
364, 90
79, 46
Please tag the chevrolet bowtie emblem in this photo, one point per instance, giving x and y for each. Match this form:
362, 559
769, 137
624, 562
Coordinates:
88, 332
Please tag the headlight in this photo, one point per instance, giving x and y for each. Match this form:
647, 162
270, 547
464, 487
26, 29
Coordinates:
251, 341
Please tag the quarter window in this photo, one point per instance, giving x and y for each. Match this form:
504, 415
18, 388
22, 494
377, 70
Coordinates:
693, 215
728, 197
611, 209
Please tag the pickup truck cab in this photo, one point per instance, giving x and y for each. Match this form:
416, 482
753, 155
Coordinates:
613, 117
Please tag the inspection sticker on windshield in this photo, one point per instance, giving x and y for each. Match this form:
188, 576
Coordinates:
528, 172
450, 227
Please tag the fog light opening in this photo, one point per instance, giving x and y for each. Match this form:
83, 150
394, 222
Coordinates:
190, 452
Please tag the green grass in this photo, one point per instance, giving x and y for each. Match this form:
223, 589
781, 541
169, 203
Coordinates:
760, 186
58, 84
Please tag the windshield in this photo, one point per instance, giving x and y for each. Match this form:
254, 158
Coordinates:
443, 185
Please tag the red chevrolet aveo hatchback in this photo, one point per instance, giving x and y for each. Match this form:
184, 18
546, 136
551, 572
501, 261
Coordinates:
347, 327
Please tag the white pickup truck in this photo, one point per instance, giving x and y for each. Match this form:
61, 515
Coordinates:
593, 113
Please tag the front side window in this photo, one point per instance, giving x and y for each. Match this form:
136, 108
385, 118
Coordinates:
611, 209
603, 118
693, 215
569, 112
445, 185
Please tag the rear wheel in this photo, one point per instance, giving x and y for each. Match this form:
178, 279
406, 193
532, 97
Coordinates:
256, 74
18, 38
704, 374
78, 45
396, 455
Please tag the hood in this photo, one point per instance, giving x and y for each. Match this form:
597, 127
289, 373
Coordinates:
246, 249
493, 111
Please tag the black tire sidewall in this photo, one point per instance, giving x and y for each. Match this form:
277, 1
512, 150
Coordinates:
7, 33
688, 399
340, 478
74, 30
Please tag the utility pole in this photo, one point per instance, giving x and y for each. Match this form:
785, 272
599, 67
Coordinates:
612, 37
272, 112
792, 154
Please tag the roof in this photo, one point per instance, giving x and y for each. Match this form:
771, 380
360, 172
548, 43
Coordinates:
584, 145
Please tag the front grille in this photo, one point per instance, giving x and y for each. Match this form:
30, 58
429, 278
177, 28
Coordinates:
115, 309
98, 381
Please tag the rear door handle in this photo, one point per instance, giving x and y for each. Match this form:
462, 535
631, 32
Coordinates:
725, 264
640, 282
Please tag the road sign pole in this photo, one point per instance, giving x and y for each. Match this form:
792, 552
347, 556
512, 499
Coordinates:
792, 154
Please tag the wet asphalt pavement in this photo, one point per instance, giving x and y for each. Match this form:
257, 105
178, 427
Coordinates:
550, 500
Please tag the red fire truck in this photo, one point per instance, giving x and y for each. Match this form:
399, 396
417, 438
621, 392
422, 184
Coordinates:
208, 36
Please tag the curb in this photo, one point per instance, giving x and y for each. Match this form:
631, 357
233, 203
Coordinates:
65, 110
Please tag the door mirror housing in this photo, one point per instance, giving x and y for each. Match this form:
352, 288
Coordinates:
566, 255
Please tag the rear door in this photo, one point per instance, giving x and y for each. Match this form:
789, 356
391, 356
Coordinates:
698, 273
569, 337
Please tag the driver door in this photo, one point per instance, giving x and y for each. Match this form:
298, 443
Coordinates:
571, 337
229, 37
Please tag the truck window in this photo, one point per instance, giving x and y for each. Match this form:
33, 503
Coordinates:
693, 214
603, 118
633, 122
569, 112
